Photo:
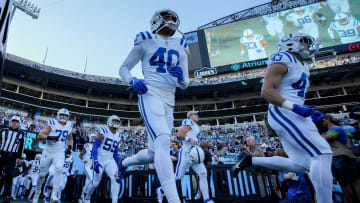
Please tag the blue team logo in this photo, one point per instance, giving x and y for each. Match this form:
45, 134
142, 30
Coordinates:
235, 67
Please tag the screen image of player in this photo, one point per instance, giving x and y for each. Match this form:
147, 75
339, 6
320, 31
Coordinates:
194, 57
333, 22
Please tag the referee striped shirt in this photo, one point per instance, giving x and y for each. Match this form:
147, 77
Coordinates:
12, 141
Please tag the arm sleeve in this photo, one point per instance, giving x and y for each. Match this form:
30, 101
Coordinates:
131, 60
94, 151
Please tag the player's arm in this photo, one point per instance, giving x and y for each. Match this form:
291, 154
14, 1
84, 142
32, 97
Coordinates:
98, 140
181, 134
273, 76
264, 43
131, 60
82, 153
184, 83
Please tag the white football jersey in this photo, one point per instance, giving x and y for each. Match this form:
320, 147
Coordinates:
66, 165
35, 167
295, 83
254, 46
108, 145
304, 20
271, 18
348, 33
58, 130
160, 53
194, 133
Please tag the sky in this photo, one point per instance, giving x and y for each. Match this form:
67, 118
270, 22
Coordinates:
102, 31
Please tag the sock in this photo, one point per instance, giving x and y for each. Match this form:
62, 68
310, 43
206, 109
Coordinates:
321, 177
144, 156
164, 168
278, 163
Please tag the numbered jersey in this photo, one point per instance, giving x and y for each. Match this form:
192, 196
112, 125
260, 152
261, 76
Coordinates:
66, 166
60, 131
194, 133
254, 46
159, 54
303, 20
271, 18
348, 33
35, 167
294, 84
108, 145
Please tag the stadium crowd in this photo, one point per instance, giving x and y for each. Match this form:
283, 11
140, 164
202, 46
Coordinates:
212, 80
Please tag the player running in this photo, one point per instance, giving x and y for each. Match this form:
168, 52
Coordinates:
189, 133
347, 28
302, 18
34, 173
57, 134
254, 44
285, 85
274, 24
165, 66
105, 154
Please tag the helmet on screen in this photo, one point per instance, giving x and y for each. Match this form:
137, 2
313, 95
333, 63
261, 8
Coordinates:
342, 18
37, 156
299, 10
248, 33
111, 122
65, 112
299, 43
165, 18
197, 154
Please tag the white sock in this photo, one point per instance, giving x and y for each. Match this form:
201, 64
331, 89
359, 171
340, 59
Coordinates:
321, 177
144, 156
278, 163
164, 168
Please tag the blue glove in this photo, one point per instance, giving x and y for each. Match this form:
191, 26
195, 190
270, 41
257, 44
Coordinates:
138, 85
317, 116
259, 50
97, 166
176, 71
303, 110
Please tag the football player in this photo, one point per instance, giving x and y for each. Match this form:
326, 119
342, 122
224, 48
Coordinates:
57, 134
34, 173
165, 67
302, 18
285, 85
347, 28
254, 44
274, 24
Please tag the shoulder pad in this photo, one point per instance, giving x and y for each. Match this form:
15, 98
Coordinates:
187, 122
102, 131
51, 122
282, 58
142, 36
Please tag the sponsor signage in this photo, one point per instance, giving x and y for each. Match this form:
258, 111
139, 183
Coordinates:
205, 72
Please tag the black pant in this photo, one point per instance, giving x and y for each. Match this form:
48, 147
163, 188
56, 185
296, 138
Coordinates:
7, 172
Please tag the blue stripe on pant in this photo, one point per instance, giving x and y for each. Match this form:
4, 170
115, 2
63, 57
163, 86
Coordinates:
178, 164
297, 130
289, 131
151, 131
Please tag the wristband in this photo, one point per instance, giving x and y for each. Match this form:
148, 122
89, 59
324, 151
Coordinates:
288, 105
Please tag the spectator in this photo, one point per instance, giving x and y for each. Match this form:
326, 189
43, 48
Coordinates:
174, 153
344, 162
251, 148
266, 144
217, 160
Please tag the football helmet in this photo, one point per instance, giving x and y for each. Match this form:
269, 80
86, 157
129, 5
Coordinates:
165, 18
248, 33
63, 111
23, 156
111, 123
37, 156
342, 18
299, 43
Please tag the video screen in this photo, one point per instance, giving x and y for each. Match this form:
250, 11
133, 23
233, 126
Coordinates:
194, 57
31, 143
334, 22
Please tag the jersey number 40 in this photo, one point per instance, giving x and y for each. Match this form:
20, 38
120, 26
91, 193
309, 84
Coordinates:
158, 59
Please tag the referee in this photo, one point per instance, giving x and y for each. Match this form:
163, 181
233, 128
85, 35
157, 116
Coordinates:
11, 148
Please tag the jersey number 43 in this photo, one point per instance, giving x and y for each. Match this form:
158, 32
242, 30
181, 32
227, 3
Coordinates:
158, 59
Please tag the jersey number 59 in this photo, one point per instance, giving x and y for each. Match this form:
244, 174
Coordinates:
158, 59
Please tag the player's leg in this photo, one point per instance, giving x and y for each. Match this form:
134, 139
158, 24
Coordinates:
144, 156
45, 163
89, 177
155, 118
14, 187
33, 185
182, 166
279, 29
111, 170
94, 182
271, 29
58, 166
62, 185
201, 171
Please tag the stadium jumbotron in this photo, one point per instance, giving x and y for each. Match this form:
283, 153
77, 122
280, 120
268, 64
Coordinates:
261, 105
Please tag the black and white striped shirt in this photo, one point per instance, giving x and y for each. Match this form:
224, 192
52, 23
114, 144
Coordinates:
12, 141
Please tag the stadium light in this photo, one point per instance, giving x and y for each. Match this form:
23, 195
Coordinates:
27, 7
